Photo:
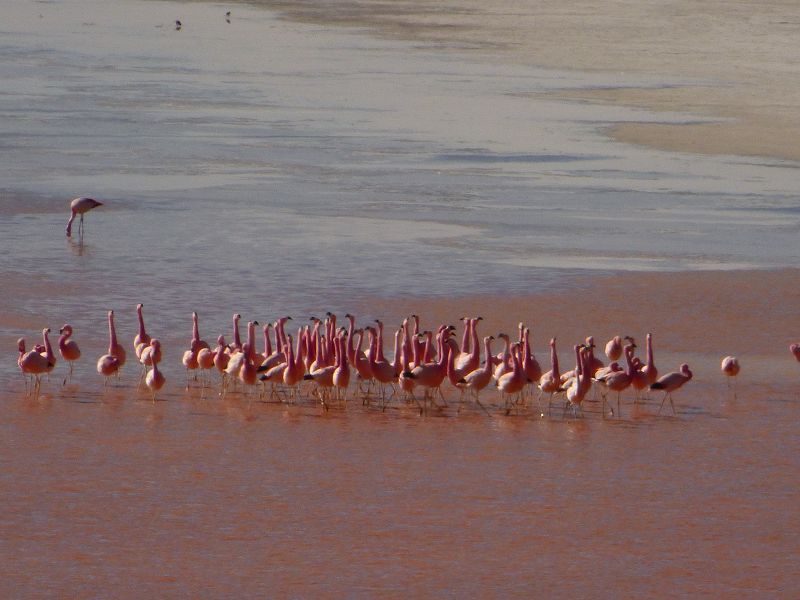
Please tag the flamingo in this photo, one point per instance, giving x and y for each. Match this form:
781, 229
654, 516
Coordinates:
671, 382
512, 382
479, 378
21, 349
730, 367
341, 375
34, 363
431, 375
550, 382
80, 206
382, 370
205, 362
614, 348
580, 384
469, 359
110, 363
595, 363
142, 340
68, 348
795, 350
294, 371
618, 381
197, 343
149, 355
236, 345
155, 378
503, 359
221, 358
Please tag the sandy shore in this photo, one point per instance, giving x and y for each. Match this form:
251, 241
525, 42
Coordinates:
728, 65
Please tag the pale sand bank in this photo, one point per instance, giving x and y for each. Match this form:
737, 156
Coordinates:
732, 62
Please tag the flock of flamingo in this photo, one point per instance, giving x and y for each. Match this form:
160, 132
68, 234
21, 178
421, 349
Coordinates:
325, 355
330, 358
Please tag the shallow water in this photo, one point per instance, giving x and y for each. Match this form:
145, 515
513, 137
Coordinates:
203, 498
267, 167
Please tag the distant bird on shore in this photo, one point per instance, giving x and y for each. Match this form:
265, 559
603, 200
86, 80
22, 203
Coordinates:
178, 25
730, 367
80, 206
228, 16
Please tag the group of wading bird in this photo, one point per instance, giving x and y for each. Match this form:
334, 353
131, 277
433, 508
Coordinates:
326, 355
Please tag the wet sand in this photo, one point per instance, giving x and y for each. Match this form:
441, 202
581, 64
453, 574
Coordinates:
105, 492
728, 66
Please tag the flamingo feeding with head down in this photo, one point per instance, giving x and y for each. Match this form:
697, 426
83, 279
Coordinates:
80, 206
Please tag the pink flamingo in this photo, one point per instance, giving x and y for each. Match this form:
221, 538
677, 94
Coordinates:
503, 359
619, 381
21, 349
614, 348
470, 357
68, 348
512, 382
581, 383
149, 355
35, 364
382, 370
118, 350
361, 363
236, 345
110, 363
730, 367
671, 382
550, 382
80, 206
795, 350
431, 375
248, 372
595, 363
478, 379
341, 375
295, 369
205, 362
155, 378
142, 340
221, 358
197, 343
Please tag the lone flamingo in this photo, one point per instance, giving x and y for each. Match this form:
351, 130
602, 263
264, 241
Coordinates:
68, 348
80, 206
671, 382
730, 367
